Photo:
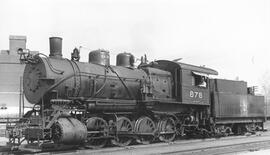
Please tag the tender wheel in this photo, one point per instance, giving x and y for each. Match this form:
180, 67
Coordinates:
258, 128
167, 130
145, 128
97, 132
123, 125
228, 131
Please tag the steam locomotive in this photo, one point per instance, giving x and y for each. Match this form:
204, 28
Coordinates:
93, 103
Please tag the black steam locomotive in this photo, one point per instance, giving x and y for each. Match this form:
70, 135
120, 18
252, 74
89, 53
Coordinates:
93, 103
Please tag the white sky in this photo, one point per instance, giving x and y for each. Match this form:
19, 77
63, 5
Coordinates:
230, 36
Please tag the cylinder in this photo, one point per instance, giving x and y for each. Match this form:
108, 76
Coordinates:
69, 131
56, 47
100, 57
125, 60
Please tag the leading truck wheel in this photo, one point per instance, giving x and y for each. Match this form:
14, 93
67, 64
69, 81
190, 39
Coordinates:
97, 132
124, 126
145, 129
69, 131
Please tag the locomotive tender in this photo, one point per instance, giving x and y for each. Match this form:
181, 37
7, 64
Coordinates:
92, 103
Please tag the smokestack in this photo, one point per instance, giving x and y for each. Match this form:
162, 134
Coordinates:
56, 47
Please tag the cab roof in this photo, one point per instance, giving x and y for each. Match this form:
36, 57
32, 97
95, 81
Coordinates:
171, 65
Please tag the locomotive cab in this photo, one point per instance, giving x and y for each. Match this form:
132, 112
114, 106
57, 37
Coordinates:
190, 83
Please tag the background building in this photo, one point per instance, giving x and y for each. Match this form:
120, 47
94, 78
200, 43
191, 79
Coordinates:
11, 71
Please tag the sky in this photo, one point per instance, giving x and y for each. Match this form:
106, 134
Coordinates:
230, 36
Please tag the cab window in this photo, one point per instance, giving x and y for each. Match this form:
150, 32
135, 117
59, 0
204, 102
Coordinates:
199, 80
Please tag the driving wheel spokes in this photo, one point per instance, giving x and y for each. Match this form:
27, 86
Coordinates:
145, 128
123, 125
167, 130
97, 132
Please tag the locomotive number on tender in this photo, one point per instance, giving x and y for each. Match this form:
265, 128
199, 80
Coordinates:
195, 94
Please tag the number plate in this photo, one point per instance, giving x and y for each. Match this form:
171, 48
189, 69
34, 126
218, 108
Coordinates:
195, 94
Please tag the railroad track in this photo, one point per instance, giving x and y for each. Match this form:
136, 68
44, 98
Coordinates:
224, 149
223, 145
